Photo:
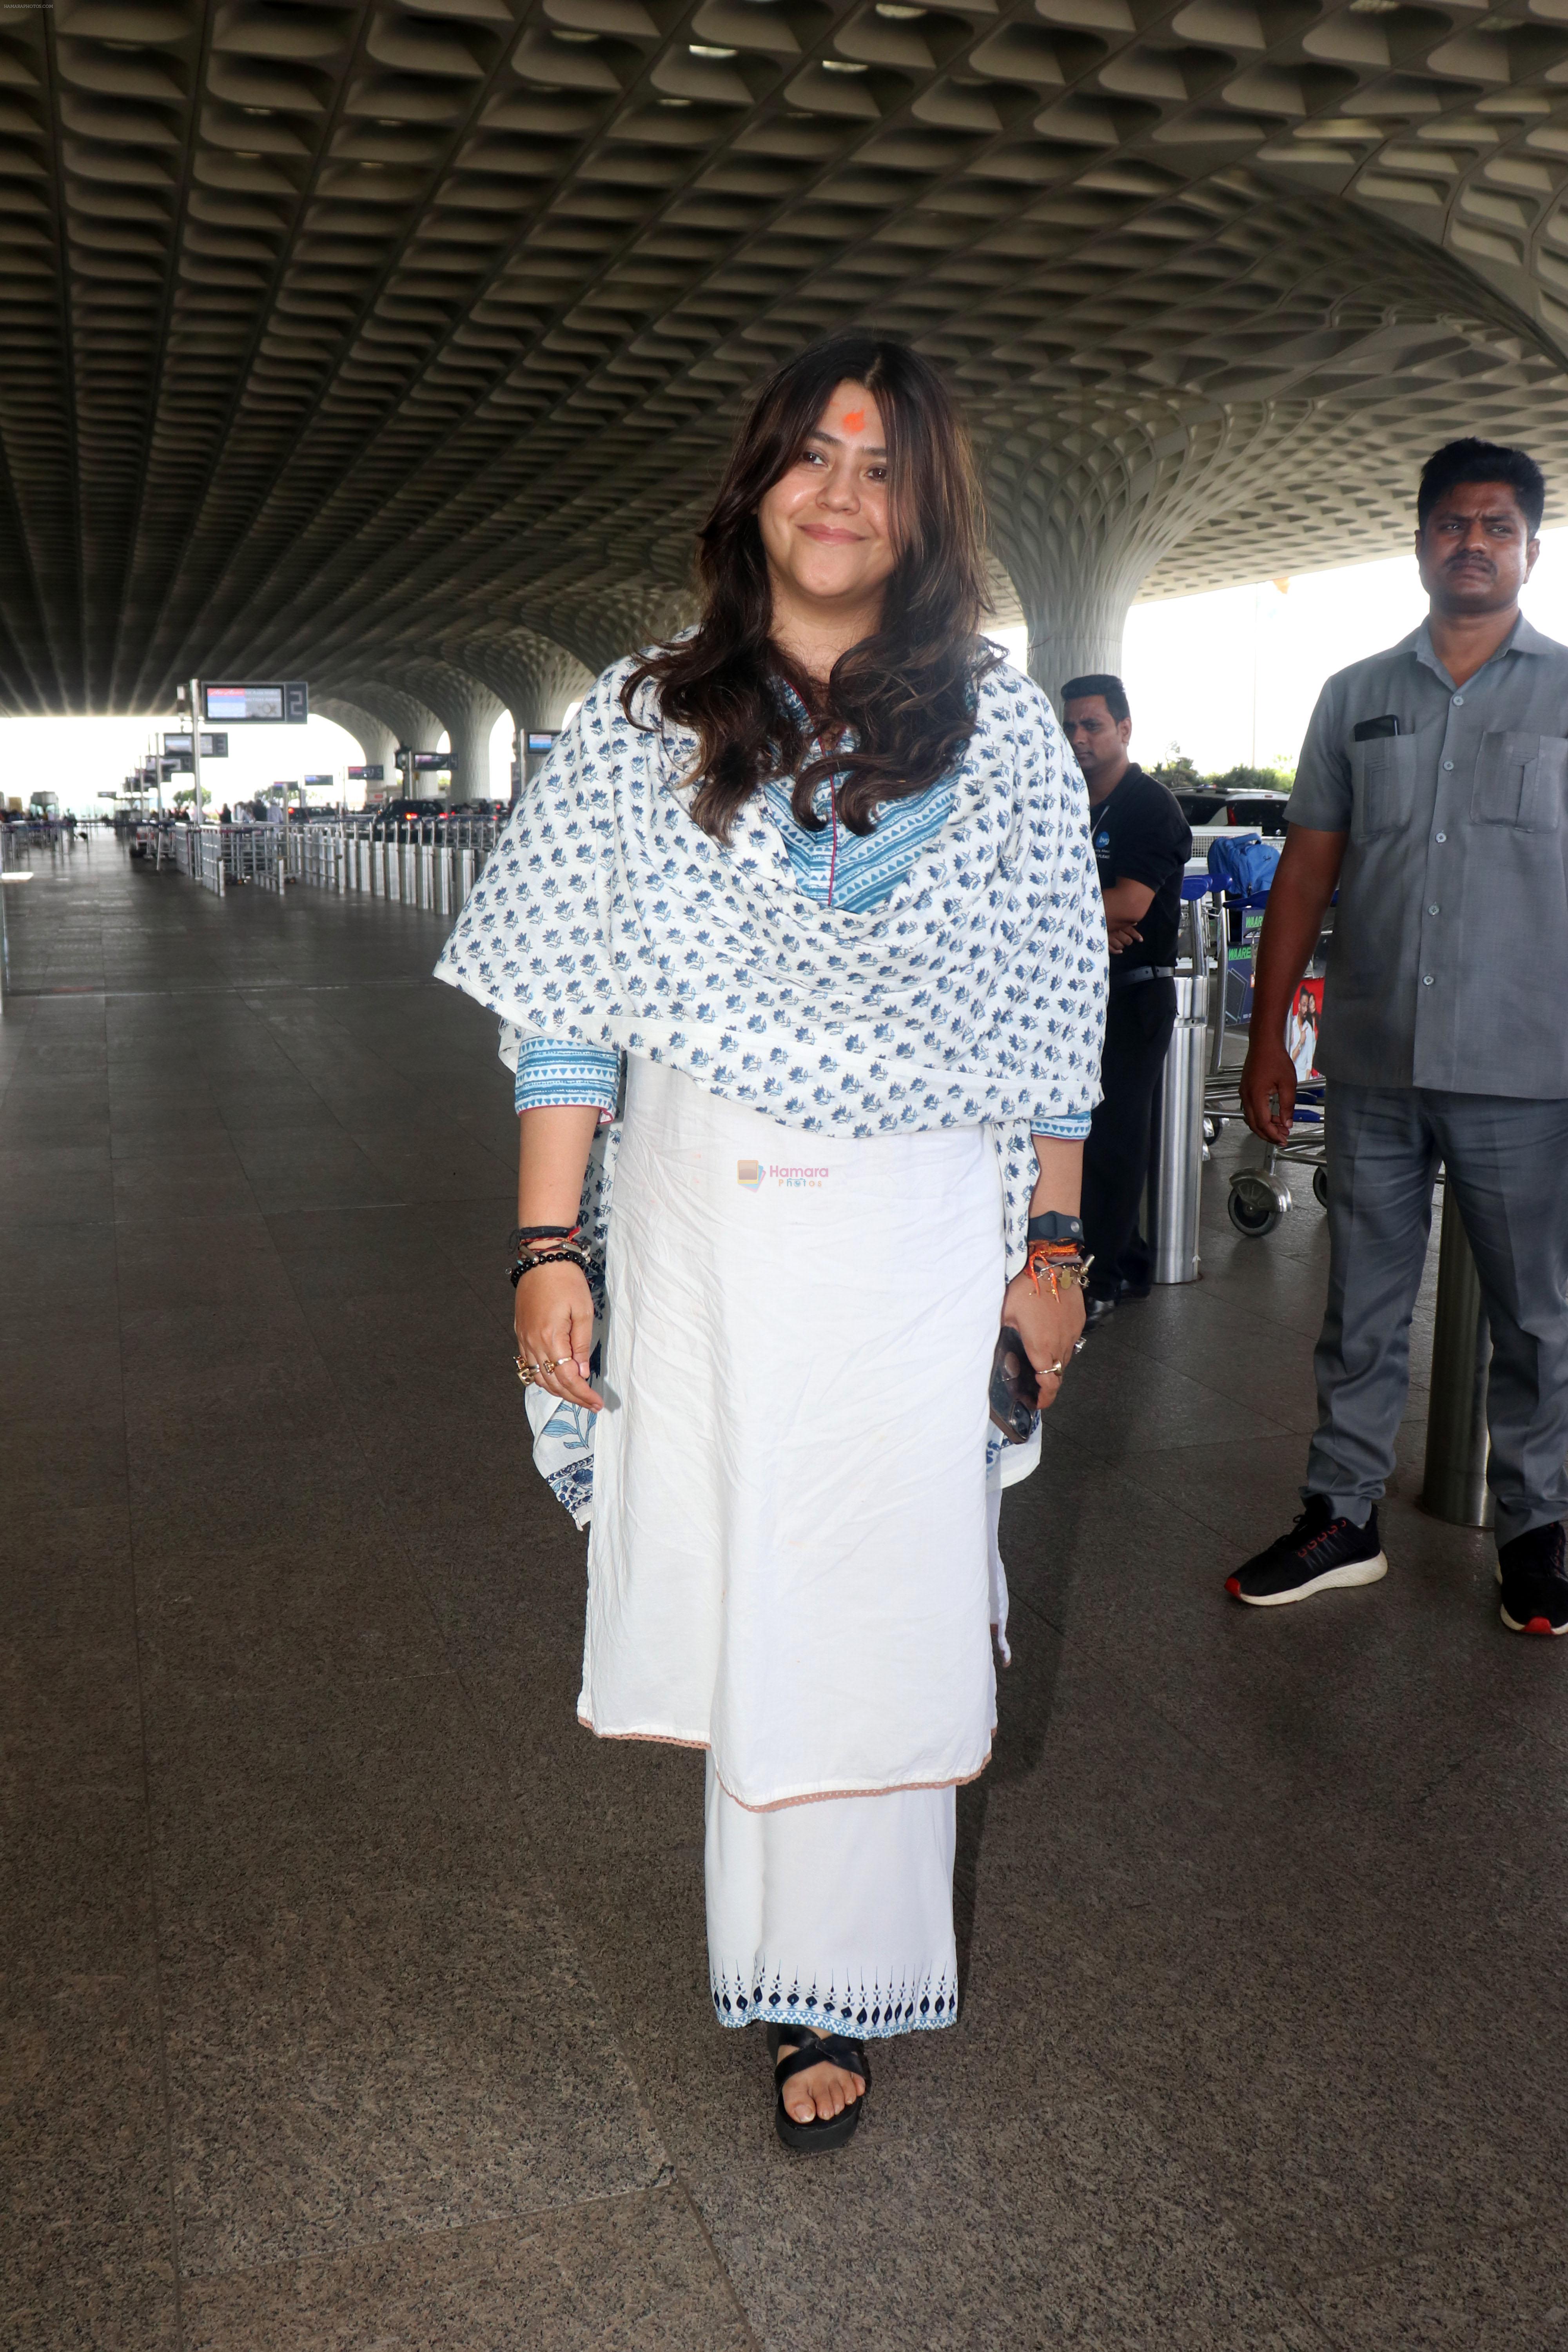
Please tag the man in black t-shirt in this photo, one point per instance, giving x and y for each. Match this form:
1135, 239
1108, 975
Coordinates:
1141, 841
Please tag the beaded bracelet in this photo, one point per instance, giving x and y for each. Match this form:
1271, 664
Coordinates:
551, 1257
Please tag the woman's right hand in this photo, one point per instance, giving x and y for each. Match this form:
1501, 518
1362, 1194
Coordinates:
553, 1318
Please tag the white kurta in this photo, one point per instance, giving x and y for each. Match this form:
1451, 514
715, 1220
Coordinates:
789, 1560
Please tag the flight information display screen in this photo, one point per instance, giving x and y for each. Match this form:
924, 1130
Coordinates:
242, 702
285, 703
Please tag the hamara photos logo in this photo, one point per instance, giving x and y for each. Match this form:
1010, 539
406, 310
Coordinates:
750, 1174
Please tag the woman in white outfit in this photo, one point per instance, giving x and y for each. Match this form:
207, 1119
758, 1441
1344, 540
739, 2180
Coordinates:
799, 948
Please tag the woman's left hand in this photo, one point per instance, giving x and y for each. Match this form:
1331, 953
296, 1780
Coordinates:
1050, 1329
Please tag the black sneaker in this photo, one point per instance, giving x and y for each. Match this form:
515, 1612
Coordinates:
1534, 1581
1319, 1554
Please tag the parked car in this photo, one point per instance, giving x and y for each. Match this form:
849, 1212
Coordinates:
414, 808
1259, 810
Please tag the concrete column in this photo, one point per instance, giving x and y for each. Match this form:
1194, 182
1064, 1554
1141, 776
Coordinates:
1080, 520
470, 728
375, 739
536, 678
1076, 574
468, 710
1077, 629
410, 721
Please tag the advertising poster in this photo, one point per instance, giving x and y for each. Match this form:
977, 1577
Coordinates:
1302, 1027
1239, 958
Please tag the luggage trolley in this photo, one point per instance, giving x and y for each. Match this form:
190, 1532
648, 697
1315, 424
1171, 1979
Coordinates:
1259, 1197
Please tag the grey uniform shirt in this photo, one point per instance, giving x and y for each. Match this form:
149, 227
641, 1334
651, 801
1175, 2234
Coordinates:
1450, 962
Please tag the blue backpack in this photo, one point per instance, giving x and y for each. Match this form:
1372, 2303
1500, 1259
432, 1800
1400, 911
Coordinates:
1242, 865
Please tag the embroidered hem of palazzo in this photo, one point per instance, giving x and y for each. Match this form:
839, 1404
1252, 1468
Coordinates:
789, 1562
837, 1916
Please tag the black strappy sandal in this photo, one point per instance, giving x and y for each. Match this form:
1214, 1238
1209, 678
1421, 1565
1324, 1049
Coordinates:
816, 2138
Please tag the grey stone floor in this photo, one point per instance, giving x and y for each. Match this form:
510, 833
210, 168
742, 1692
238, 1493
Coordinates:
355, 1998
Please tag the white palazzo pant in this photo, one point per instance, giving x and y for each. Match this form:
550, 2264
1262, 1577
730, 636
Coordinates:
836, 1914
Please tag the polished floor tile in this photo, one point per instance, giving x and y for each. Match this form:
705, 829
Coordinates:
371, 2066
69, 1713
88, 2219
627, 2274
56, 1184
76, 1890
1507, 2294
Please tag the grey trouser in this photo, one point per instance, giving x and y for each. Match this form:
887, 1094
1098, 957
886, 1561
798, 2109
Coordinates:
1508, 1163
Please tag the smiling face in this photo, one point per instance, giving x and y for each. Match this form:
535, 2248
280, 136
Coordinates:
824, 523
1475, 551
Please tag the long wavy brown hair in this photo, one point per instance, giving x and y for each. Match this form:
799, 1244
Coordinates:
907, 694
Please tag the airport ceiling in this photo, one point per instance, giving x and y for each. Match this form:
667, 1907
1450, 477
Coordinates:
352, 341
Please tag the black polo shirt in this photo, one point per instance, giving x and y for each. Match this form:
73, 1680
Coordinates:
1140, 836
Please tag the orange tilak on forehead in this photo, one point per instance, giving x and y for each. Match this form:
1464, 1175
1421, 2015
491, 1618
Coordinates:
853, 419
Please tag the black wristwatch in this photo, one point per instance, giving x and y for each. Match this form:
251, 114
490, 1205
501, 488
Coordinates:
1054, 1227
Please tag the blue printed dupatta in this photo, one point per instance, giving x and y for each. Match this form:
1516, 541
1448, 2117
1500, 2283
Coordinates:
973, 995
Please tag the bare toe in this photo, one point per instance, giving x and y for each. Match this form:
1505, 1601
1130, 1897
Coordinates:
819, 2093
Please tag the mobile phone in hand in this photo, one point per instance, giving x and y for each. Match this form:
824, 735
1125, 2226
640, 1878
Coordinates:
1014, 1392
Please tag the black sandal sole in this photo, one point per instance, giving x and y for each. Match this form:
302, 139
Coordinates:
819, 2138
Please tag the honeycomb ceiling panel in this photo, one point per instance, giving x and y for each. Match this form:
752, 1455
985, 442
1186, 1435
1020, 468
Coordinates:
338, 340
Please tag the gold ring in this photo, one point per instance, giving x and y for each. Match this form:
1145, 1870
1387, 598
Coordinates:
1055, 1372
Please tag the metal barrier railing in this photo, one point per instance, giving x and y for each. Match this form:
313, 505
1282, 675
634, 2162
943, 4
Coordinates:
196, 850
36, 832
214, 854
256, 854
430, 862
208, 852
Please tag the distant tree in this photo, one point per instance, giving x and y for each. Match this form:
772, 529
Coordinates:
1180, 772
1252, 780
1177, 770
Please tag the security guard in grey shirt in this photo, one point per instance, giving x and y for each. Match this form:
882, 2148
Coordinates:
1433, 790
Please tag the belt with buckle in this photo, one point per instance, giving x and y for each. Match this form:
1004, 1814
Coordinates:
1143, 971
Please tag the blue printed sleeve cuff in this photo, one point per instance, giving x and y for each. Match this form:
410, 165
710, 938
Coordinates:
550, 1074
1067, 1130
